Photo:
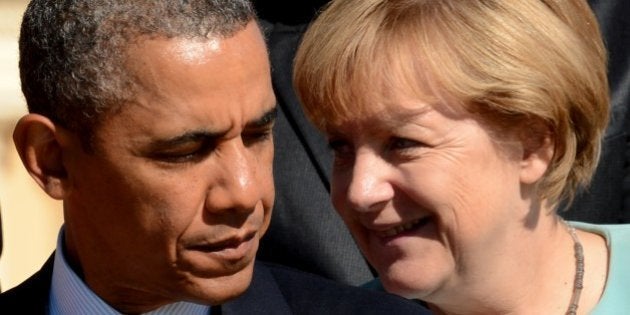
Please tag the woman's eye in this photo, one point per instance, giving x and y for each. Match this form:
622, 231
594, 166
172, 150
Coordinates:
342, 150
402, 143
343, 153
339, 147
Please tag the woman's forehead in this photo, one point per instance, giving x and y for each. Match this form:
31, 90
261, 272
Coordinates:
388, 112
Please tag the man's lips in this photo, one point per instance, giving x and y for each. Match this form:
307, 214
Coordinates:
231, 248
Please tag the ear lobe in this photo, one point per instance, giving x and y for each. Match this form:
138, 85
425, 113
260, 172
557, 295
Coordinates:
36, 141
538, 150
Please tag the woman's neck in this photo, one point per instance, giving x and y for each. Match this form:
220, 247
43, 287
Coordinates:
530, 272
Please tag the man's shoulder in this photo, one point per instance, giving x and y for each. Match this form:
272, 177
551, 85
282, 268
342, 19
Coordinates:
19, 296
314, 294
30, 296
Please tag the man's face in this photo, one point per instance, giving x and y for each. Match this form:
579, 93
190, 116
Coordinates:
172, 204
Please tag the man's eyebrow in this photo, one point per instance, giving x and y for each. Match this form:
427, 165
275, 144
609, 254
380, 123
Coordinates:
204, 135
192, 136
265, 120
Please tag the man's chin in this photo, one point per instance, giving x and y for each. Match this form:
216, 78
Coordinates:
218, 290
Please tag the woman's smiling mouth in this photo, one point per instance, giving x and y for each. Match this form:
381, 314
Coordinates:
405, 227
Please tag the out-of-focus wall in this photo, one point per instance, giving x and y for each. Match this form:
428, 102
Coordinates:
30, 219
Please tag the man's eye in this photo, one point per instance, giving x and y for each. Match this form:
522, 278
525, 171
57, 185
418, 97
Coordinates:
184, 153
177, 157
254, 137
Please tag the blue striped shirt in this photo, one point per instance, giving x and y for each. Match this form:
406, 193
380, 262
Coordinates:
69, 295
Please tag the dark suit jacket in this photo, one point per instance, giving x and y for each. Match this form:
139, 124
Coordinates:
274, 290
305, 231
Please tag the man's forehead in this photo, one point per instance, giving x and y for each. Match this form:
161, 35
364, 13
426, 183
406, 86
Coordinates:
245, 43
194, 51
211, 84
186, 50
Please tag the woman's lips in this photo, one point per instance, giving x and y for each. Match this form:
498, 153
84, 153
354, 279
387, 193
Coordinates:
403, 228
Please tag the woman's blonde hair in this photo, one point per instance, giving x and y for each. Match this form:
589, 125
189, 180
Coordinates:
512, 62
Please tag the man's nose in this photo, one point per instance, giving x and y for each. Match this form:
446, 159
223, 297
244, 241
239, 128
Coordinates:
238, 186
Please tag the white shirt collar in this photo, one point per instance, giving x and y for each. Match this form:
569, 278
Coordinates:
69, 295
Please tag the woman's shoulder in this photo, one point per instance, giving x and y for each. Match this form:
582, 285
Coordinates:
607, 230
616, 291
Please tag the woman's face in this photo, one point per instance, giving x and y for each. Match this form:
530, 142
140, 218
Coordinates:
426, 192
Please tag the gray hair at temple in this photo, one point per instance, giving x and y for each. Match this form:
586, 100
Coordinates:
73, 52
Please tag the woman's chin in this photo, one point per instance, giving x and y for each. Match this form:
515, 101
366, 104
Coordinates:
404, 288
412, 280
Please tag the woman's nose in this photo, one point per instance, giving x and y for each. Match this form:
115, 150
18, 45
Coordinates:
367, 183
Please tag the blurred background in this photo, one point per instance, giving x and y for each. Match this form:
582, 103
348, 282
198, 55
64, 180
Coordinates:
30, 219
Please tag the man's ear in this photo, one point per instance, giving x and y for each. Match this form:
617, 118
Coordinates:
537, 139
36, 139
